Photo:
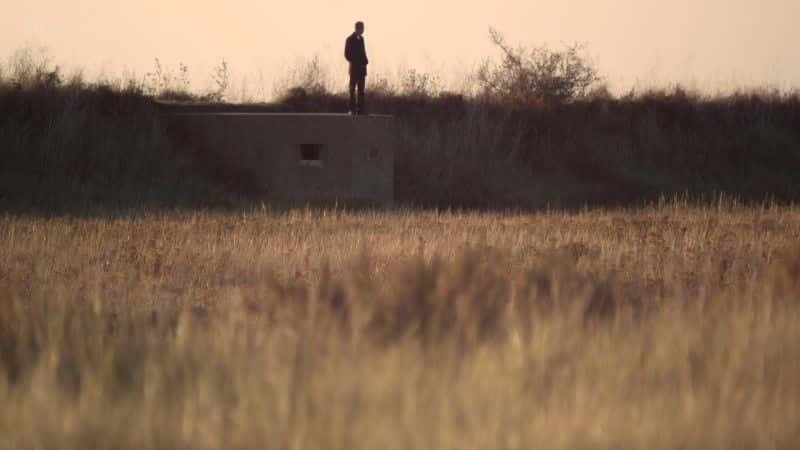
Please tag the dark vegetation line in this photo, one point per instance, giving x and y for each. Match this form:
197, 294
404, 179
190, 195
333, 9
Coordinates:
73, 147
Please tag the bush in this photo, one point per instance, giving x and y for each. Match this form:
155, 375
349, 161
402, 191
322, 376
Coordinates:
419, 84
537, 74
307, 78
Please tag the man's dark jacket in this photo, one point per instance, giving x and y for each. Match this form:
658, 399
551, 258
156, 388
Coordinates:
356, 53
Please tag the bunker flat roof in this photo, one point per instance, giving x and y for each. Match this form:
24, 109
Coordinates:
367, 116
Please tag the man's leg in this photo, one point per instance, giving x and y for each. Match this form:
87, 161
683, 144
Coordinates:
353, 82
362, 81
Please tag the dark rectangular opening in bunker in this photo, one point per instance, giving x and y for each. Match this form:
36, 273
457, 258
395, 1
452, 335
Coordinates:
310, 152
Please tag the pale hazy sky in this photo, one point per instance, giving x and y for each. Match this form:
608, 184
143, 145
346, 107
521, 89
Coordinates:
712, 44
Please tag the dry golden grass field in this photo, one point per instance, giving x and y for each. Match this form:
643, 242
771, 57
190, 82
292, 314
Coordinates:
667, 327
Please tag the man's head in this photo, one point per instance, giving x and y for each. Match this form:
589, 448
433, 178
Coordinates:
360, 27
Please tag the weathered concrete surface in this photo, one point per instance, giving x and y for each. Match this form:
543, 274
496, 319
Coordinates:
356, 154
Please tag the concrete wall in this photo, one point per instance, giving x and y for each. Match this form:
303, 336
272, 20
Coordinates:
356, 157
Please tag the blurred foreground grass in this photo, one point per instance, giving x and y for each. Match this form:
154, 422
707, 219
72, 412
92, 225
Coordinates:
660, 328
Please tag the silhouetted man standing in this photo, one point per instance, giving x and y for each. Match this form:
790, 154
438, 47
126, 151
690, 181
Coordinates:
356, 54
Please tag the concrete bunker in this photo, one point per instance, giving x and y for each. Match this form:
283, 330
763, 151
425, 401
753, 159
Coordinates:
299, 158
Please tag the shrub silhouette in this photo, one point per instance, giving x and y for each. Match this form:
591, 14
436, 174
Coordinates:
536, 74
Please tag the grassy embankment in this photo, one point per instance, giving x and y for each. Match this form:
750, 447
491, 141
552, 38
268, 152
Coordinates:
71, 146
